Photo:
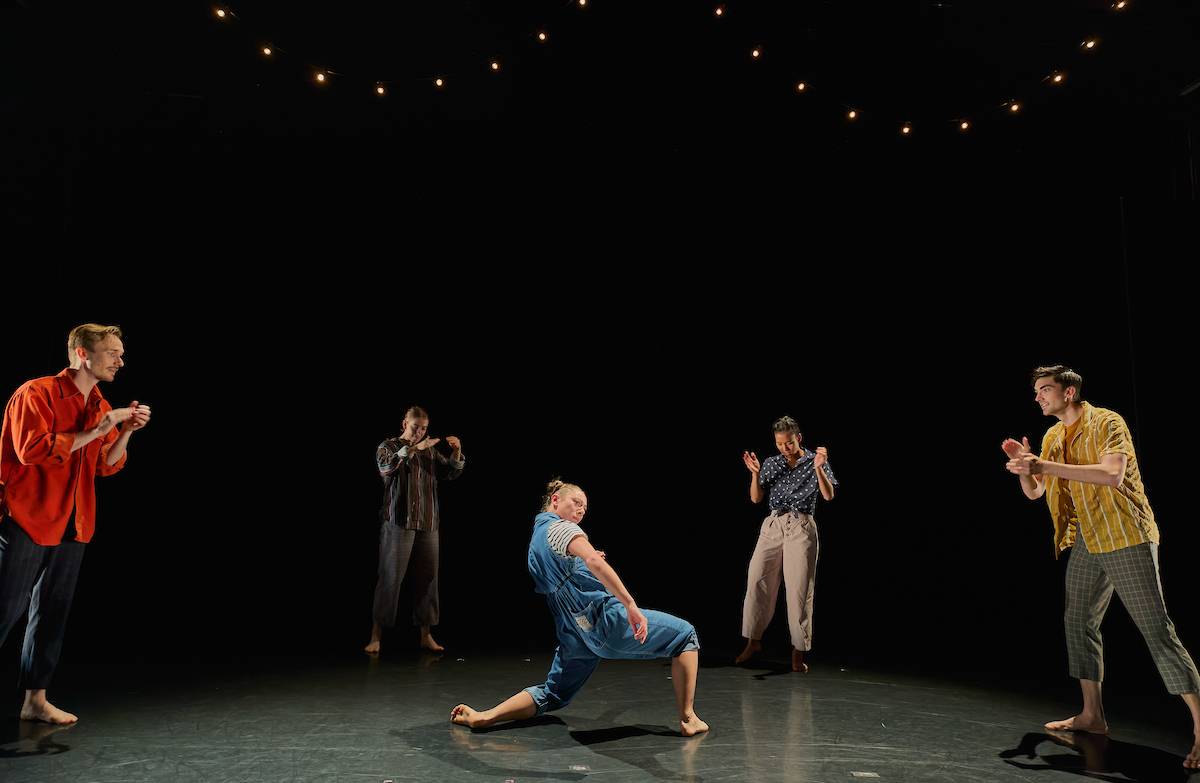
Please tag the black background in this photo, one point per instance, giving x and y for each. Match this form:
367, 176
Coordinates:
618, 262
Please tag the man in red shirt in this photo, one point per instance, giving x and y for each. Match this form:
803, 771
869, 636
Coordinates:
59, 433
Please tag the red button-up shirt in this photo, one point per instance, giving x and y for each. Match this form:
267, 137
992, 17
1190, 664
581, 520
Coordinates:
41, 479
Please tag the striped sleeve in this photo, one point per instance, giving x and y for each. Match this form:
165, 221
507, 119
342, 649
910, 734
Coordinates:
1115, 434
388, 457
561, 534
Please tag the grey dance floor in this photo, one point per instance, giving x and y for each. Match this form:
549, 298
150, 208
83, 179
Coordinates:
374, 720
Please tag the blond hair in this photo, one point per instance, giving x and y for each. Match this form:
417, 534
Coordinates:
86, 336
556, 487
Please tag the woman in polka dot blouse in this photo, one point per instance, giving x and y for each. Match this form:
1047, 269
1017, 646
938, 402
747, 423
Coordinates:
787, 542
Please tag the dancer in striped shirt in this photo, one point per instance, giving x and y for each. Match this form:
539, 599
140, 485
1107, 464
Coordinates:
1089, 475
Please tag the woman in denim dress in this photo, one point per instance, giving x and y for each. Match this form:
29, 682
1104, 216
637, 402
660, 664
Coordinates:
595, 617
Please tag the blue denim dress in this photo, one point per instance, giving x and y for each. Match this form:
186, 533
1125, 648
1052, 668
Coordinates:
590, 622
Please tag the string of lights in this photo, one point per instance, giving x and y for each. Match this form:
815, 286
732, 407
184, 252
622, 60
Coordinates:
906, 127
490, 66
324, 76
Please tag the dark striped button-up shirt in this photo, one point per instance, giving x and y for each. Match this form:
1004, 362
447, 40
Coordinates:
410, 480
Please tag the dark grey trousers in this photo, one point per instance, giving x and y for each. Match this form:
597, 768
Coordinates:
41, 579
411, 553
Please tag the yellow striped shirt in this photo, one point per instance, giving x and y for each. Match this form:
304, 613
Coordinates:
1108, 518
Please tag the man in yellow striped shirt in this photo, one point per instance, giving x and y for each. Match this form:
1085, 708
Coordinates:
1089, 475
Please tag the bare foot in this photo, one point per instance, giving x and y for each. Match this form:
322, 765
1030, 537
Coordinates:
753, 647
1079, 723
1193, 759
464, 715
798, 664
427, 643
692, 725
47, 713
372, 648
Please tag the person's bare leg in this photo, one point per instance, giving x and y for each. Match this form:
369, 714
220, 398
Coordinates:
372, 647
683, 676
752, 648
1091, 719
1193, 702
519, 706
427, 642
37, 708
